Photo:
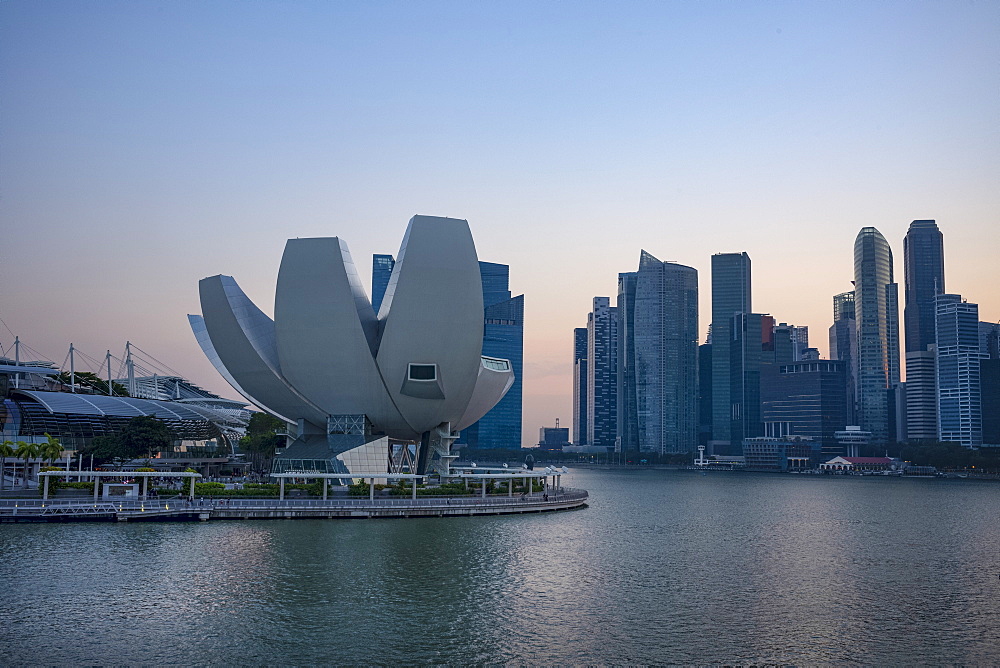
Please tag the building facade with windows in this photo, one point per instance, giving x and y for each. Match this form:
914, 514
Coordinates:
664, 357
730, 295
877, 313
602, 373
923, 280
580, 400
958, 371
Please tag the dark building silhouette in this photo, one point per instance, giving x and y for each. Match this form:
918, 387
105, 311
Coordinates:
923, 279
704, 393
628, 417
602, 373
730, 295
806, 398
580, 386
751, 332
989, 382
844, 347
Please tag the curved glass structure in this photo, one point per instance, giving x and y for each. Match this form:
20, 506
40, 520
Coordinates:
876, 305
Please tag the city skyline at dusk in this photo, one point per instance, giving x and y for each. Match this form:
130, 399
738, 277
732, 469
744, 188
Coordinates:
146, 146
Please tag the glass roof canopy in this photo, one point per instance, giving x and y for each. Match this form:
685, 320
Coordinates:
99, 404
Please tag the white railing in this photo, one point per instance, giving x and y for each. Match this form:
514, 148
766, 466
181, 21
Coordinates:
33, 506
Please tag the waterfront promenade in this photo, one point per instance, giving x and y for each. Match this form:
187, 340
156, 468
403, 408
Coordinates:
180, 509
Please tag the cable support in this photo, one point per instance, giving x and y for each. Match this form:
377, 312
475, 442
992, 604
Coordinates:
156, 362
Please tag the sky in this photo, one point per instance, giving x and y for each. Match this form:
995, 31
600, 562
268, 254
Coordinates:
146, 145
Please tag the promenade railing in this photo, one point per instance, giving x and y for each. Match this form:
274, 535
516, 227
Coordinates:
334, 502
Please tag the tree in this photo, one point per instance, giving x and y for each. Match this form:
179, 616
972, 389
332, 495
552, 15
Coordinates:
50, 450
93, 382
6, 450
26, 451
105, 448
265, 434
145, 435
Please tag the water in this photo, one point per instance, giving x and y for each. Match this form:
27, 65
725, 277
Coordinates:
664, 567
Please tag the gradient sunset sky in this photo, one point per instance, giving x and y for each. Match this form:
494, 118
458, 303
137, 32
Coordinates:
146, 145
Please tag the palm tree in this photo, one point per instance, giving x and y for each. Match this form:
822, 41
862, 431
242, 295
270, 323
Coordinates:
26, 451
50, 450
6, 450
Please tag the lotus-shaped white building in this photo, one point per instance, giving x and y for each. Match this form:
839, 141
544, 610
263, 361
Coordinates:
345, 376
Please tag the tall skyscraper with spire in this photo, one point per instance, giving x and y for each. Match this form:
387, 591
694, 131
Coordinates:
730, 296
923, 280
876, 306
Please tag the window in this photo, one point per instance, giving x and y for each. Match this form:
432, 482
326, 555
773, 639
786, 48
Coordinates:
423, 372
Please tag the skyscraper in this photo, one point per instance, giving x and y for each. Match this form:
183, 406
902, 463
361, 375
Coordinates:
745, 352
503, 337
923, 279
876, 304
806, 398
628, 419
381, 273
602, 373
664, 356
958, 368
580, 400
844, 347
730, 295
989, 381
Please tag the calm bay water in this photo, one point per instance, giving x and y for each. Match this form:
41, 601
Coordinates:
663, 567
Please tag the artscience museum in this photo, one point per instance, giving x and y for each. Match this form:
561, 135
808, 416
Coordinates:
363, 392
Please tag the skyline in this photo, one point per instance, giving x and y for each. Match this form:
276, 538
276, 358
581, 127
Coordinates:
146, 146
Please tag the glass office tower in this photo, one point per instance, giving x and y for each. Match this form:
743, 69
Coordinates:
923, 280
844, 346
958, 367
602, 373
876, 308
503, 337
730, 295
381, 272
627, 423
580, 386
666, 356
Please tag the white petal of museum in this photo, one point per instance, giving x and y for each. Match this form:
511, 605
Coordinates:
346, 377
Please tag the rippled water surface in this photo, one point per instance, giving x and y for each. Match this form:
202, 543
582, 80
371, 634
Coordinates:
663, 567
